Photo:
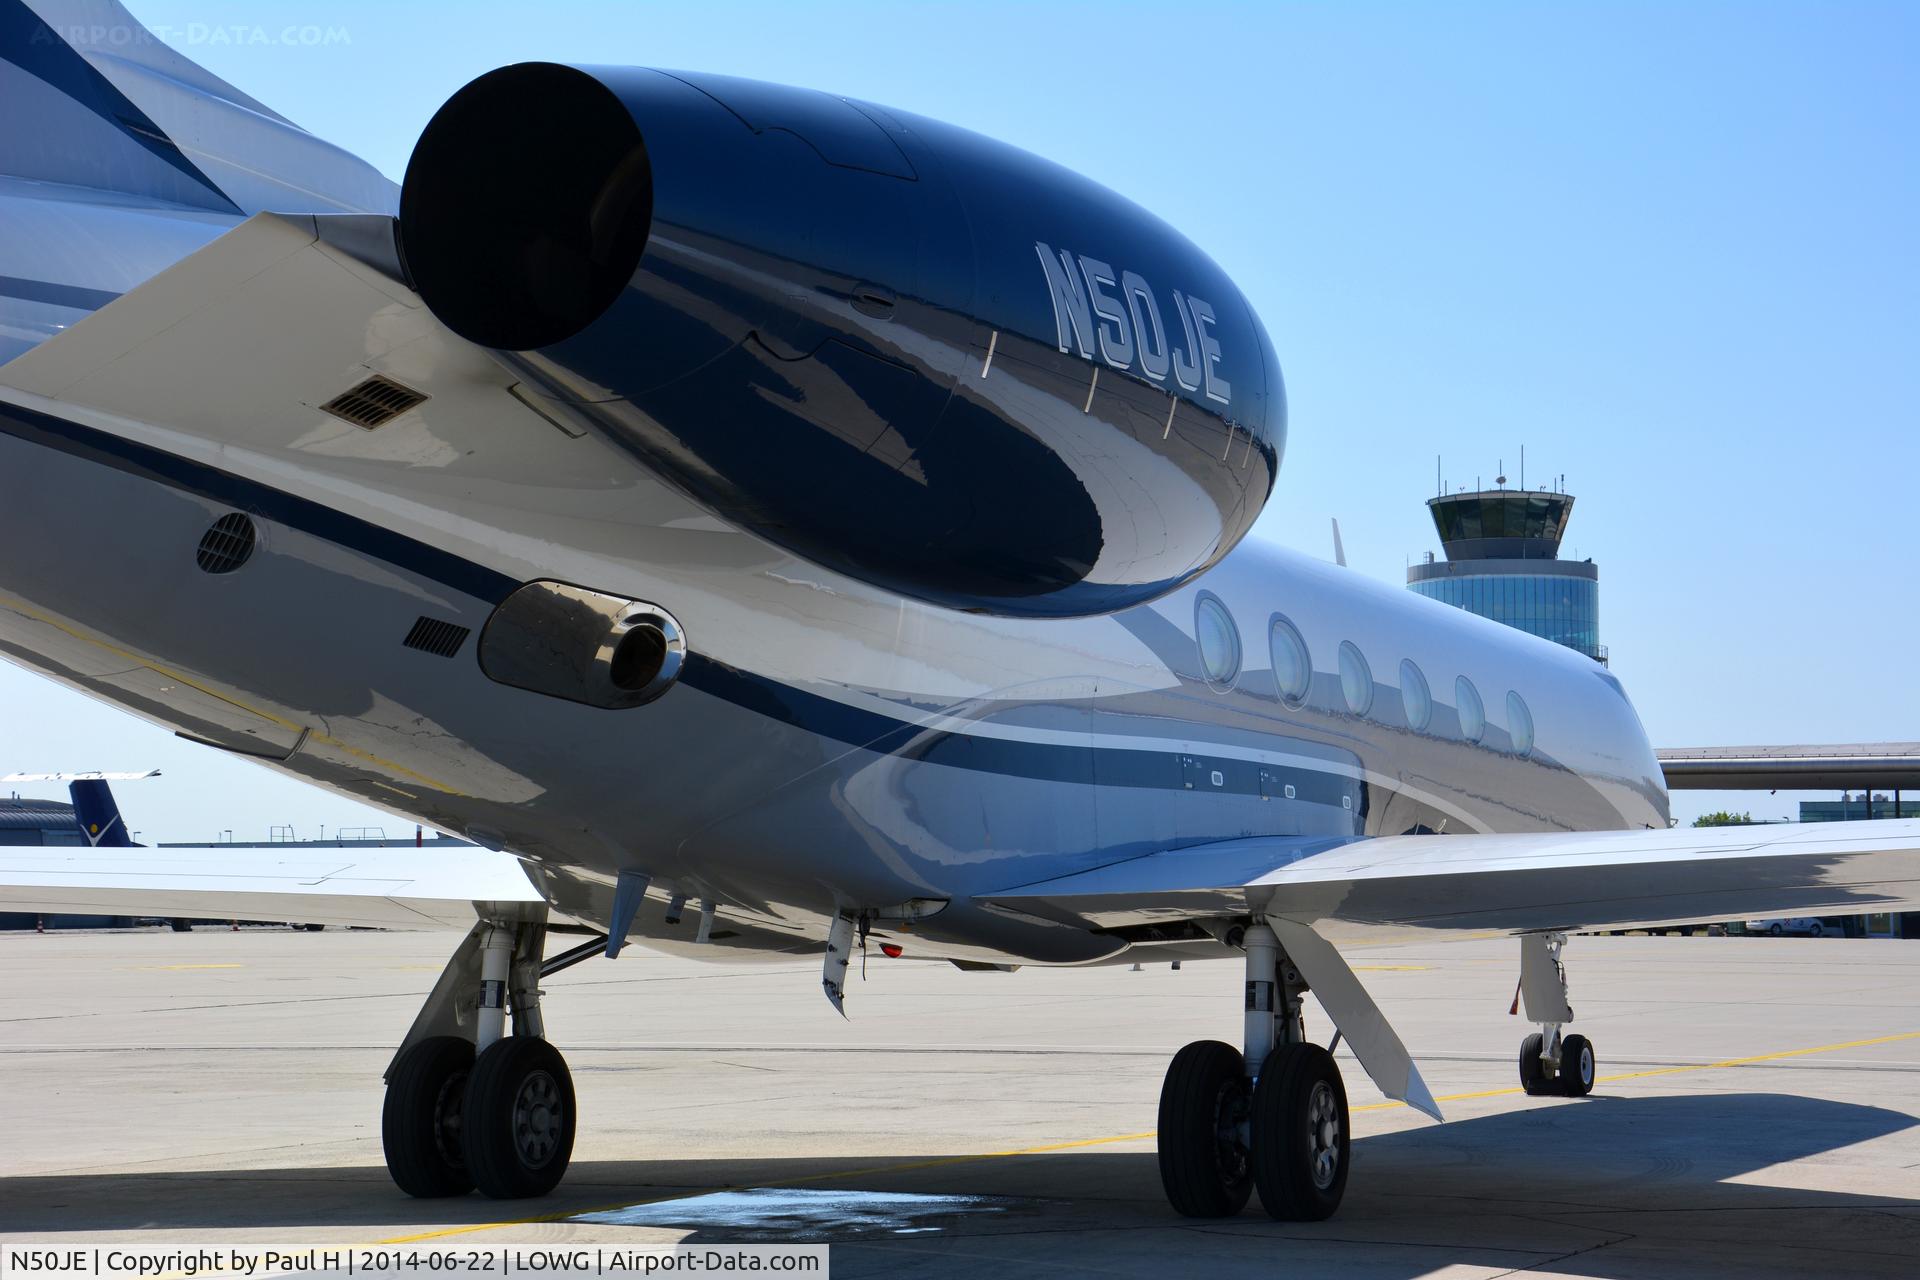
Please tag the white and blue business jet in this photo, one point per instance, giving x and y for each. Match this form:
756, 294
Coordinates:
767, 522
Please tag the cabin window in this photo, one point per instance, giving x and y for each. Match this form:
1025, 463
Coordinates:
1356, 678
1218, 640
1415, 697
1472, 712
1292, 667
1519, 724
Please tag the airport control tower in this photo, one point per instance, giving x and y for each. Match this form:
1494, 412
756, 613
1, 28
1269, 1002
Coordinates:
1503, 562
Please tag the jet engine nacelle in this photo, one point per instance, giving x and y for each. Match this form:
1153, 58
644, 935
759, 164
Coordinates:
915, 356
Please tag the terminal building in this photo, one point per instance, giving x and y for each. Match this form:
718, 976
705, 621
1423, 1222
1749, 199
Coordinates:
1503, 562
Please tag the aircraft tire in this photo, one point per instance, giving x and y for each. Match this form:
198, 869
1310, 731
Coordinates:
1533, 1072
518, 1123
420, 1120
1203, 1163
1577, 1066
1302, 1134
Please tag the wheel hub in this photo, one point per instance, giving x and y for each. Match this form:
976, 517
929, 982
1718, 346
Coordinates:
538, 1121
1323, 1134
1230, 1132
448, 1107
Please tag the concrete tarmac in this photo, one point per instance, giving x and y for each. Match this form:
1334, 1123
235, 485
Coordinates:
1755, 1116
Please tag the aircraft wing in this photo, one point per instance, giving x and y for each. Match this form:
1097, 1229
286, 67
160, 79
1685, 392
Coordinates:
387, 888
1314, 892
1501, 883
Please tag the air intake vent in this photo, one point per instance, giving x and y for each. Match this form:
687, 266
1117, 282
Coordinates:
227, 544
373, 403
431, 635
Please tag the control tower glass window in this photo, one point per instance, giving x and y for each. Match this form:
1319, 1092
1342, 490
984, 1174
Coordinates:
1554, 607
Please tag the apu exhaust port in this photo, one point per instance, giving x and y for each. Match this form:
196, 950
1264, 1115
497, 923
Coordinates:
581, 645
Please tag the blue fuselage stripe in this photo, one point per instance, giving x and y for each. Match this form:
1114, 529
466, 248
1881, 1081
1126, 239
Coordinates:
810, 712
1090, 764
242, 494
59, 295
44, 53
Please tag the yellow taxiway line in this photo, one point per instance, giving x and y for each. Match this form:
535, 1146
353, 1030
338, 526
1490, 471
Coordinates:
565, 1214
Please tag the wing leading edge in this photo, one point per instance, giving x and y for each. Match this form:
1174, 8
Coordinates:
1503, 883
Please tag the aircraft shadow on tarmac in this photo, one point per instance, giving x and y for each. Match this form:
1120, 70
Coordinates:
1527, 1181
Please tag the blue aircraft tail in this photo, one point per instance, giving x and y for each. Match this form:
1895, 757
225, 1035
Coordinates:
94, 809
98, 815
90, 98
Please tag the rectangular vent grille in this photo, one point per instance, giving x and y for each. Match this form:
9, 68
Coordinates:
431, 635
373, 403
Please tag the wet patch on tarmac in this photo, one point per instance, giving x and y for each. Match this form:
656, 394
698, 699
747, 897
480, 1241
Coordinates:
780, 1213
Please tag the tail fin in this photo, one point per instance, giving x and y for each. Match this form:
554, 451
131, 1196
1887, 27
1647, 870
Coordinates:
99, 817
94, 809
93, 99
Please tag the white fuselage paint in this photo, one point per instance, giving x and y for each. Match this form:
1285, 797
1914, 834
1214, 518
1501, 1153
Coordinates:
850, 748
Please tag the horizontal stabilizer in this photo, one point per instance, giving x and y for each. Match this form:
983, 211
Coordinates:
80, 777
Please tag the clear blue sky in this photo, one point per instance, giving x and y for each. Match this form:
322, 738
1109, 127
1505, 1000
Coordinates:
1671, 249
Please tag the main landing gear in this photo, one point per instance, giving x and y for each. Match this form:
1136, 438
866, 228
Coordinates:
1272, 1118
1550, 1063
469, 1105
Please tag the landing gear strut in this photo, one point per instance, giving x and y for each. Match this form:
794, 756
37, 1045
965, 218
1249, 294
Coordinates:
1550, 1063
1272, 1118
467, 1104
